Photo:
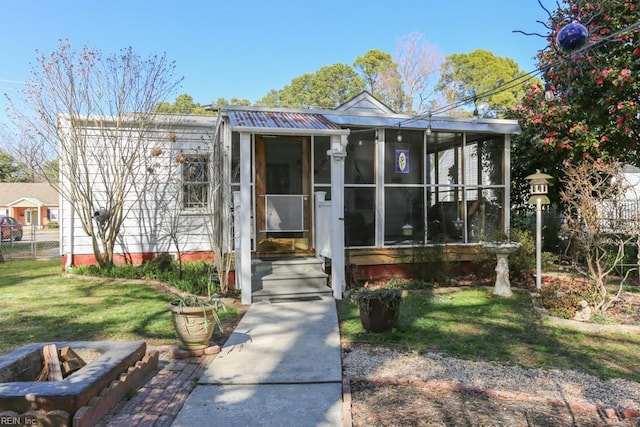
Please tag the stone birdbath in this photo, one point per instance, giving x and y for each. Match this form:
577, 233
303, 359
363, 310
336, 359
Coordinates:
502, 252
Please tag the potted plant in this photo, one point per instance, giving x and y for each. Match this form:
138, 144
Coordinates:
379, 308
195, 318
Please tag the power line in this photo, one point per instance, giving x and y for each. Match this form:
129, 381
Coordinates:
520, 79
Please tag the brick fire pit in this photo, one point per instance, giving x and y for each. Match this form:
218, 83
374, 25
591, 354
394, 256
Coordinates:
113, 368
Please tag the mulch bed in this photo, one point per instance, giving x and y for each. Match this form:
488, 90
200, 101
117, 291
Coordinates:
389, 403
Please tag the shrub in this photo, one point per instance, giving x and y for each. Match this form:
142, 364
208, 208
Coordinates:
401, 283
429, 263
196, 276
561, 297
525, 258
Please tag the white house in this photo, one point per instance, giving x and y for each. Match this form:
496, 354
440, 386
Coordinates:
357, 185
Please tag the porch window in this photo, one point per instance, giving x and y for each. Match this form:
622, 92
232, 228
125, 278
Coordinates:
447, 187
465, 187
195, 178
360, 189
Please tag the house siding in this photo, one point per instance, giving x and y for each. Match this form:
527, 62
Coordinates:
152, 199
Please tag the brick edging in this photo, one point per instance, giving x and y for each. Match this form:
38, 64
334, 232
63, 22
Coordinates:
608, 411
109, 397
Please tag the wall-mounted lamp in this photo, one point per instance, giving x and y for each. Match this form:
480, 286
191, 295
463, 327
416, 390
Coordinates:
549, 93
429, 126
399, 136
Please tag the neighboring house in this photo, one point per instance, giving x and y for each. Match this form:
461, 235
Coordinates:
357, 185
30, 203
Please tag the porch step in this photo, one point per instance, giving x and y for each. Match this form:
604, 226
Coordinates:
289, 278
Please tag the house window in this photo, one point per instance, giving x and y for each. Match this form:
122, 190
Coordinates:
53, 214
195, 178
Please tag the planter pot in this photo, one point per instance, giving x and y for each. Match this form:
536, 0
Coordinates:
194, 325
380, 314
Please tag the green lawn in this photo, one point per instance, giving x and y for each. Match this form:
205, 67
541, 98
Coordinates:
40, 305
473, 324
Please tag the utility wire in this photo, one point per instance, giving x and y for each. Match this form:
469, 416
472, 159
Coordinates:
520, 79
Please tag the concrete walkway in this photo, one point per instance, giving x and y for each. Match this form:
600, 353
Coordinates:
280, 367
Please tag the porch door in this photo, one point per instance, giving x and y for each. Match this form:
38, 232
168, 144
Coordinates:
283, 195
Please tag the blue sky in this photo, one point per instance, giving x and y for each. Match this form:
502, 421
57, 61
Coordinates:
245, 48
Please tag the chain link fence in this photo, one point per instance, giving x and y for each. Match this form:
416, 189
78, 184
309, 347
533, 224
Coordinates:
32, 243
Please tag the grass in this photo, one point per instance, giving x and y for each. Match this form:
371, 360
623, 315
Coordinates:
40, 305
473, 324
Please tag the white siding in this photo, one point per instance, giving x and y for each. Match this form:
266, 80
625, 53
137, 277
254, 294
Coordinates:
155, 196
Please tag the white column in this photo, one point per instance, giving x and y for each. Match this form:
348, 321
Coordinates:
243, 273
337, 152
507, 187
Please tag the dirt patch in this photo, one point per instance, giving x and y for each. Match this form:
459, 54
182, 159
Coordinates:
386, 404
626, 310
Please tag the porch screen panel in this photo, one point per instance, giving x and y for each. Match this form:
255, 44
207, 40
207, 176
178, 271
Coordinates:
485, 213
321, 160
483, 160
359, 166
284, 213
404, 215
404, 161
359, 216
445, 215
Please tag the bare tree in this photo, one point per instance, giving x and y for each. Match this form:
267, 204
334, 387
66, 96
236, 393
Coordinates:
93, 113
418, 66
597, 224
190, 188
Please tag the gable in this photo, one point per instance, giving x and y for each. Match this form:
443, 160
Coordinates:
364, 103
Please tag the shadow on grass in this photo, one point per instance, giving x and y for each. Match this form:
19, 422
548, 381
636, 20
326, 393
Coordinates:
41, 306
475, 325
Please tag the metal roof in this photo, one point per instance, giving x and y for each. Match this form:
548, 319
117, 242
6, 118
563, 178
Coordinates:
438, 123
280, 120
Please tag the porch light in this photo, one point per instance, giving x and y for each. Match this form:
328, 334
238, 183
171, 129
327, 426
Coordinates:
429, 126
399, 136
538, 187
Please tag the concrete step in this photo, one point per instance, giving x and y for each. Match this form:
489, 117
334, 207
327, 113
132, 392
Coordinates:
286, 266
302, 289
288, 278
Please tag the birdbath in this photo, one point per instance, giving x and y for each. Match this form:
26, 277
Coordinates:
502, 252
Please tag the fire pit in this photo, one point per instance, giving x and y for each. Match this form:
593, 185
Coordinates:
112, 369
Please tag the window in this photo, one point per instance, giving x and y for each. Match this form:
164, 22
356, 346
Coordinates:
53, 214
360, 188
195, 179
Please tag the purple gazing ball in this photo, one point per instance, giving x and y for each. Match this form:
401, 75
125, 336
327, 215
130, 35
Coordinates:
572, 36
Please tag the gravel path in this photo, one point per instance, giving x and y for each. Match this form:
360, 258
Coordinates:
372, 362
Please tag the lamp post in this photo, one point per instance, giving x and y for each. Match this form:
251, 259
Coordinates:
538, 187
